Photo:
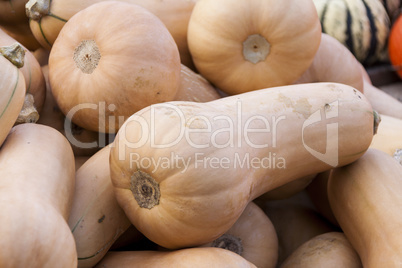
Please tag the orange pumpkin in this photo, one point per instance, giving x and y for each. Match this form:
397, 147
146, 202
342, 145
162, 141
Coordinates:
395, 45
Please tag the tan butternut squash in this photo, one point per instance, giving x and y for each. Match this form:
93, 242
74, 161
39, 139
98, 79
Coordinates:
253, 237
185, 178
295, 220
37, 188
194, 87
96, 220
12, 88
389, 137
190, 257
333, 62
102, 71
84, 142
365, 197
289, 189
331, 250
48, 18
247, 45
34, 80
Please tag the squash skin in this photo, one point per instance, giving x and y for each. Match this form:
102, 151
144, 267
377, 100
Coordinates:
215, 41
190, 257
96, 220
34, 79
194, 87
330, 250
41, 190
143, 71
358, 194
182, 191
333, 62
257, 236
388, 137
12, 96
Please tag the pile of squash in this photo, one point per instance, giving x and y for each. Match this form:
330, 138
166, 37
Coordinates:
209, 133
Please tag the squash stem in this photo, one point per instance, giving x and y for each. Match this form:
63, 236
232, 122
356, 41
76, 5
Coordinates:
36, 9
15, 53
377, 120
28, 113
398, 155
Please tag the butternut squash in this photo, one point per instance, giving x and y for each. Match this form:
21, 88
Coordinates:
333, 62
101, 71
185, 177
190, 257
96, 220
34, 80
295, 220
388, 138
331, 250
365, 197
289, 189
12, 88
36, 192
247, 45
253, 237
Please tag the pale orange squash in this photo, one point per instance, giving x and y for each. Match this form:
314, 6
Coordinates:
365, 197
295, 220
331, 250
253, 237
48, 18
333, 62
96, 220
190, 257
101, 71
36, 192
241, 46
34, 79
12, 88
192, 201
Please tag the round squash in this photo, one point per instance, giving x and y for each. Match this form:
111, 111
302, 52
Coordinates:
181, 170
37, 188
34, 80
361, 25
394, 45
366, 197
12, 88
253, 237
295, 220
241, 46
96, 220
330, 250
101, 71
190, 257
333, 62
